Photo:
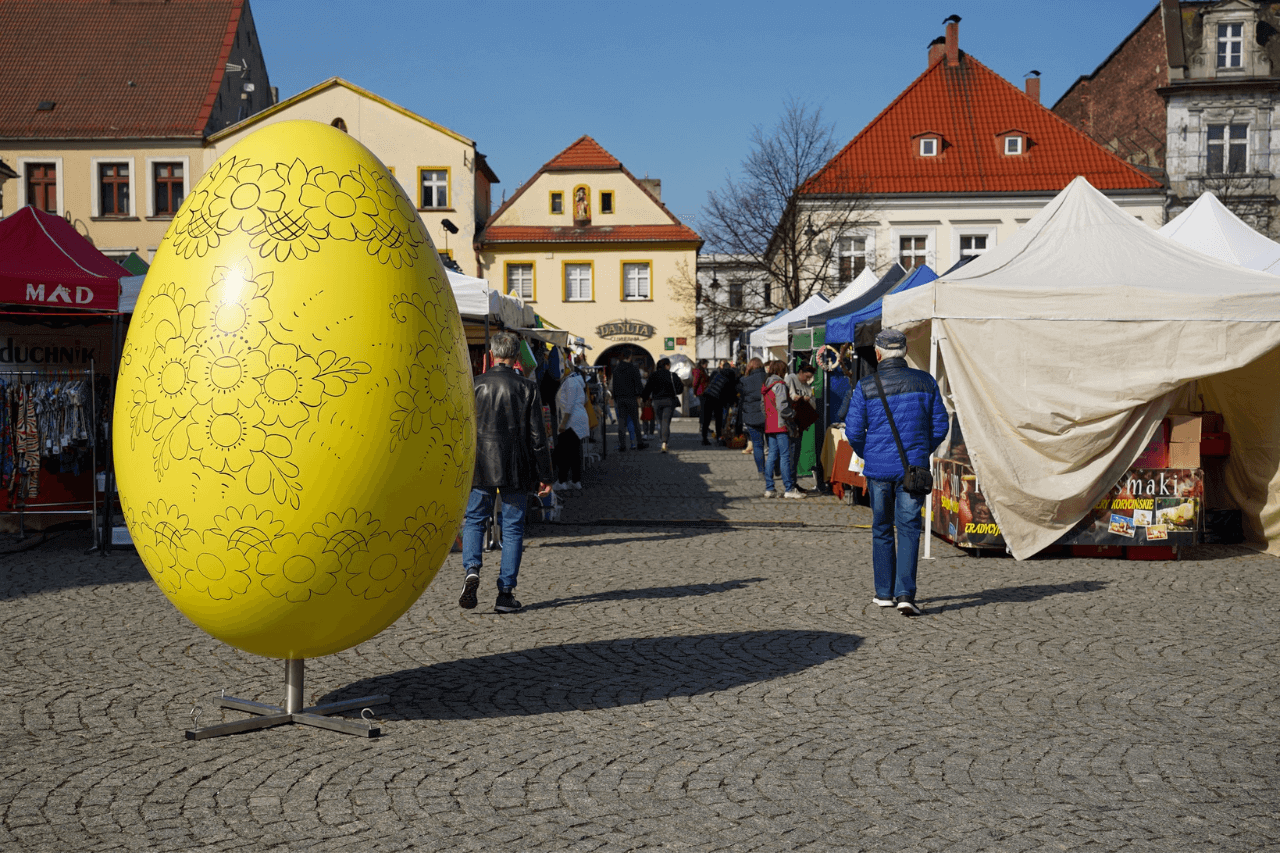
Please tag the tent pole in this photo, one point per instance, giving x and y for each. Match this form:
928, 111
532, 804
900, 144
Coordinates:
928, 507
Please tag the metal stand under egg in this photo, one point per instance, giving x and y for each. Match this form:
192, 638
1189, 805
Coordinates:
292, 712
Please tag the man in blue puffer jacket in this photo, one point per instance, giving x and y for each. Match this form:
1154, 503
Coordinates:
922, 423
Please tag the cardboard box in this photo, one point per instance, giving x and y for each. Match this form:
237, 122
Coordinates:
1190, 427
1184, 454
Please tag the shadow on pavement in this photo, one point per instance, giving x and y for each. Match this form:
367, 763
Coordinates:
619, 540
1029, 592
648, 592
59, 562
601, 674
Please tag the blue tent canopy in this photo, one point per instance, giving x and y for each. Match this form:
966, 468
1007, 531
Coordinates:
875, 294
844, 329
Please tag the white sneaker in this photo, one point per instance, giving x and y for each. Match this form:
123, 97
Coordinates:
770, 493
664, 447
577, 486
559, 487
794, 494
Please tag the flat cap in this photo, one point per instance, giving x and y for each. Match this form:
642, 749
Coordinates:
891, 339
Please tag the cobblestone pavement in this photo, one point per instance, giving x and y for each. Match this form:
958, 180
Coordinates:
705, 673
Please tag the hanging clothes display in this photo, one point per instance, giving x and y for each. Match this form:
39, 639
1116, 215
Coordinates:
45, 421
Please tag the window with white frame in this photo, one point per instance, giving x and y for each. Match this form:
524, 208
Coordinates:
1228, 149
635, 281
1230, 45
1013, 145
168, 187
851, 258
929, 147
42, 186
972, 244
577, 282
520, 280
913, 251
113, 189
435, 188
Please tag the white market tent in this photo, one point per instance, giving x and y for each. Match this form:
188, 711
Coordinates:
774, 333
1209, 227
476, 299
865, 281
1066, 345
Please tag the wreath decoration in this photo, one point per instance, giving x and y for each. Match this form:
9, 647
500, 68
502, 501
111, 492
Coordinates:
827, 358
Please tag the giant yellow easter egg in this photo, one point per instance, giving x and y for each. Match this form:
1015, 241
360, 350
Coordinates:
294, 414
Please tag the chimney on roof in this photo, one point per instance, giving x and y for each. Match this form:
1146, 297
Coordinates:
953, 39
653, 185
937, 49
1033, 85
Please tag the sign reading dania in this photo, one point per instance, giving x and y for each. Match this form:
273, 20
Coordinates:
625, 330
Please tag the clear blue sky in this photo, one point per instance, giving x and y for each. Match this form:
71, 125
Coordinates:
672, 89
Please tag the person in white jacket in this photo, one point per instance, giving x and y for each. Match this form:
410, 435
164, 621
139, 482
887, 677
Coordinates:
571, 403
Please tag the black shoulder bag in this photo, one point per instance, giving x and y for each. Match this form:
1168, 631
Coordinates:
917, 481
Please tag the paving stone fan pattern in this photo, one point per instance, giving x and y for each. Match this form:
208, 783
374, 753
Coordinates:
725, 685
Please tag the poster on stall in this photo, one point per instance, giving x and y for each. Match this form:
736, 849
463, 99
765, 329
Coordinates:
1148, 506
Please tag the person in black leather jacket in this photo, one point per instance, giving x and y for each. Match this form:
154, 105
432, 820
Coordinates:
751, 408
512, 459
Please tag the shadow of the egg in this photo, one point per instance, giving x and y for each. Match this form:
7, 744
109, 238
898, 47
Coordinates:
595, 675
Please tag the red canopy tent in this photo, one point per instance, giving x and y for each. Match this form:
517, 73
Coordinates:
45, 262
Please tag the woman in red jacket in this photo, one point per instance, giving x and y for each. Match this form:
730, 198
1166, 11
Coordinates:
779, 419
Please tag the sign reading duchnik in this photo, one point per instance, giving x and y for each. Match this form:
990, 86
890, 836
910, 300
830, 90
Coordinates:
625, 330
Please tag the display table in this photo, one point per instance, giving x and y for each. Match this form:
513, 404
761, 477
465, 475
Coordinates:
842, 466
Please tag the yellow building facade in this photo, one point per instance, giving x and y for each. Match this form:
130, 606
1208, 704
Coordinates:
595, 252
440, 169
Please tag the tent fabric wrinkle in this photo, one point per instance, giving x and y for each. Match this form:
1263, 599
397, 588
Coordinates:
1065, 346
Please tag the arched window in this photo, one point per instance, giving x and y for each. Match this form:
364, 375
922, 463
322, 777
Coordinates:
339, 124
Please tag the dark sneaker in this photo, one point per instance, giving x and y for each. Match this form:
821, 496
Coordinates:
907, 606
883, 602
507, 603
467, 600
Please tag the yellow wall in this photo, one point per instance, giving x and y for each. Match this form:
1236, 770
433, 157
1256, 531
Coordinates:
402, 141
77, 164
633, 205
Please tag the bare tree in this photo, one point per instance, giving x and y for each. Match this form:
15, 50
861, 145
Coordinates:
779, 238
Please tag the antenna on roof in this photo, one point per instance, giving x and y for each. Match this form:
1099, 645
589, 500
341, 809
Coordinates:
1032, 73
951, 19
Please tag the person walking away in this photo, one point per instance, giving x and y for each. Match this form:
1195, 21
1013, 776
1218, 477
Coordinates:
800, 387
921, 418
722, 390
627, 391
575, 426
779, 420
751, 408
664, 389
512, 459
698, 379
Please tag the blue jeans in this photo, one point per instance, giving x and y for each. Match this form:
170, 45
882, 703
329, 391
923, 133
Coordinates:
628, 416
895, 569
757, 445
515, 504
779, 450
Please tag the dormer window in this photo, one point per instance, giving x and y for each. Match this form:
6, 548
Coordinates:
1013, 145
1230, 45
929, 146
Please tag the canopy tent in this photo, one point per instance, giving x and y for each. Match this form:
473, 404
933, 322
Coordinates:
1207, 226
891, 277
477, 299
774, 333
46, 262
864, 281
854, 327
1065, 346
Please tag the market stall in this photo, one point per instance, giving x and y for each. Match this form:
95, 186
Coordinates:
59, 301
773, 335
1063, 349
1209, 227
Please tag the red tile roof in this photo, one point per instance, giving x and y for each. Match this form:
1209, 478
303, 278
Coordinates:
591, 234
113, 70
969, 106
585, 154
